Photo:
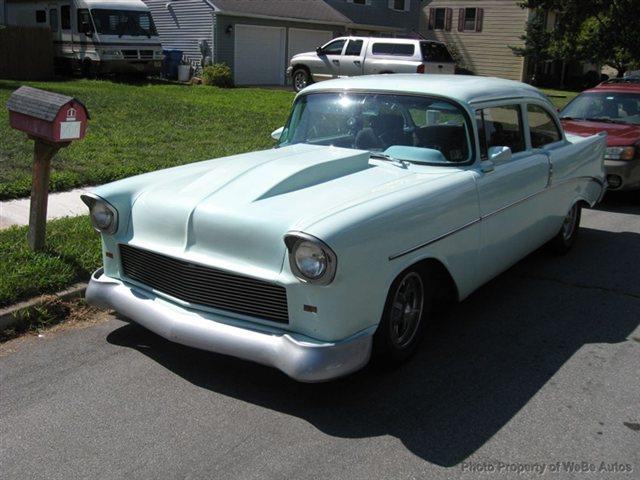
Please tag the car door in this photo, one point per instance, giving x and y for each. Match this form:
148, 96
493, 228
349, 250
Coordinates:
352, 59
329, 56
509, 188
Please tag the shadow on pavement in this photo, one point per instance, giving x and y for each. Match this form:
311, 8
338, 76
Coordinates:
491, 355
621, 202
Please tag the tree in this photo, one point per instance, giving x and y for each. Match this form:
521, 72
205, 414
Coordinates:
597, 31
536, 42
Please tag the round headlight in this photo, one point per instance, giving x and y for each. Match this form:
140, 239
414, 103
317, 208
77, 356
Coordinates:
310, 259
102, 216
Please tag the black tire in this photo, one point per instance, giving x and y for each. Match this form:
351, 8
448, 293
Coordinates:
301, 78
397, 338
568, 233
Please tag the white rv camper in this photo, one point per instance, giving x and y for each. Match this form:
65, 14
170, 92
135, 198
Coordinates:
97, 36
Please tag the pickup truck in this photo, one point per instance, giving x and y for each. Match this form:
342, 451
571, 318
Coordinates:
352, 56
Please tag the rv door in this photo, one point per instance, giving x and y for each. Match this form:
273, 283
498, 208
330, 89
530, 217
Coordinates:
66, 33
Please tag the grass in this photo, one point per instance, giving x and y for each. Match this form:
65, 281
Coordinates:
72, 253
560, 97
136, 128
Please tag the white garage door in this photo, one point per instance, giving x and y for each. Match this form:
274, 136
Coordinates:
303, 40
259, 55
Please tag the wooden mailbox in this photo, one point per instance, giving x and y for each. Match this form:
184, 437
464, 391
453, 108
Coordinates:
53, 121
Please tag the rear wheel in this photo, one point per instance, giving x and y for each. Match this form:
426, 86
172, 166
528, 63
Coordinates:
405, 316
301, 79
566, 237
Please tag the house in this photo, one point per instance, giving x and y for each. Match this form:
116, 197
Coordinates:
257, 38
2, 12
481, 31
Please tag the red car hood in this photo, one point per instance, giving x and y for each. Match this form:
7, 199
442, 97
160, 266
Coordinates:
618, 134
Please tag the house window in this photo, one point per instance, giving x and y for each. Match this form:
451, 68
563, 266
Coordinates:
65, 17
470, 19
360, 2
439, 17
400, 5
41, 16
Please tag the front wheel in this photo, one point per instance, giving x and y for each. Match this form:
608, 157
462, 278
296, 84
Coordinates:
566, 237
301, 79
405, 317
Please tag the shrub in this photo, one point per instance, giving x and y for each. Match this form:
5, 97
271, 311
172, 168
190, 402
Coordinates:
218, 74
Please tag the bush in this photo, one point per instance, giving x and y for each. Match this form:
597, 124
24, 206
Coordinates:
218, 75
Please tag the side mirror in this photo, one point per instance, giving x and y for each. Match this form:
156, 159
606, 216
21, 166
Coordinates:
500, 154
276, 134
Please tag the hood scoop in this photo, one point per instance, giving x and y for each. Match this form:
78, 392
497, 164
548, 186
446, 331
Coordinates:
303, 171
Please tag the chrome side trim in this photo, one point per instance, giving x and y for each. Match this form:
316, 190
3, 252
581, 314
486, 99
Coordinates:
434, 240
501, 209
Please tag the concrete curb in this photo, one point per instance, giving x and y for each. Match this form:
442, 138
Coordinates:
11, 315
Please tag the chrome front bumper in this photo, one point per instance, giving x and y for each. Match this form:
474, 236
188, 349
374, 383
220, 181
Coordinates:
303, 359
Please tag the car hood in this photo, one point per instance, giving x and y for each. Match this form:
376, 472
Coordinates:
617, 134
238, 208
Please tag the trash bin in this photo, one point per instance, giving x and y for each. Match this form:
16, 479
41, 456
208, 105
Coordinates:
170, 63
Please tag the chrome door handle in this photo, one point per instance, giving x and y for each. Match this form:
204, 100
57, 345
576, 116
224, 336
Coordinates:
356, 62
337, 62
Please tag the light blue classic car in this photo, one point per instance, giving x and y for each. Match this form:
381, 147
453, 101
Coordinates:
385, 194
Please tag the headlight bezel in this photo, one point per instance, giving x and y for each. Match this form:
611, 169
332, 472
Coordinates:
91, 200
293, 240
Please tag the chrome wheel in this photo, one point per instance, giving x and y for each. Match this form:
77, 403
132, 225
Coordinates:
406, 310
300, 80
569, 224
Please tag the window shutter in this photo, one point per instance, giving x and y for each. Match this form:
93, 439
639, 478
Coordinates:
479, 19
461, 20
447, 19
432, 18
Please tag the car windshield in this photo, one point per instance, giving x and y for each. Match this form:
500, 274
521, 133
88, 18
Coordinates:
417, 129
617, 107
124, 22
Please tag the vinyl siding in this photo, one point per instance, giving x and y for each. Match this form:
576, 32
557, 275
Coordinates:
486, 52
183, 25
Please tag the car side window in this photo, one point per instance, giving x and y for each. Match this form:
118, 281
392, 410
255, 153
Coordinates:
334, 48
482, 135
503, 127
354, 48
542, 127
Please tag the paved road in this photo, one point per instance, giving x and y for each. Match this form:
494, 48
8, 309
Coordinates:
542, 365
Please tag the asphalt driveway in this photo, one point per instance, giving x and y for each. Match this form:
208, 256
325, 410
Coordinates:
538, 370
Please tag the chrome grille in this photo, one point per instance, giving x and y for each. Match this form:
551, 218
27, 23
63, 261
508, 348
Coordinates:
205, 286
128, 54
146, 54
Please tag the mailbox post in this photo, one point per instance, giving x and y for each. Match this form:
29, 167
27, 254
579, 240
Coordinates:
52, 121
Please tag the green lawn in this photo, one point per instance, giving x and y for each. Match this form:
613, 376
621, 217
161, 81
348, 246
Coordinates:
560, 97
136, 128
72, 253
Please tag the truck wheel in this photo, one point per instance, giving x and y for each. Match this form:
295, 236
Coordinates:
89, 69
301, 79
566, 237
405, 317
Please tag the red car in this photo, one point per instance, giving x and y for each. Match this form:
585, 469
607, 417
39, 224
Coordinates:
613, 107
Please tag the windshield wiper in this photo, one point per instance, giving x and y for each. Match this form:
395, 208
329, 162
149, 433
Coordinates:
396, 161
604, 120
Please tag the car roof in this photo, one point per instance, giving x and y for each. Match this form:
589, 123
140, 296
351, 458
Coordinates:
628, 84
463, 88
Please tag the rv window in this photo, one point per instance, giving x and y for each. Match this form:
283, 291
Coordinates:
65, 17
41, 16
435, 52
124, 22
84, 21
53, 19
